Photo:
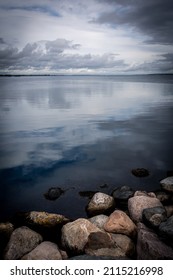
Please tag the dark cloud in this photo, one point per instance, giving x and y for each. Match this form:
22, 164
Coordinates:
51, 55
151, 17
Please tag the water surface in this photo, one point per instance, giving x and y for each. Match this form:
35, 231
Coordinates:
78, 133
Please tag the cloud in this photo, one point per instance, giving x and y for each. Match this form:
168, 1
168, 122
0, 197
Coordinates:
48, 56
153, 18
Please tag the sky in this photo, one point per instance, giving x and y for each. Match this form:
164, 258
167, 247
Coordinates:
86, 37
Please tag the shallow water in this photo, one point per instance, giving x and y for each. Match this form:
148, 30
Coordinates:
79, 133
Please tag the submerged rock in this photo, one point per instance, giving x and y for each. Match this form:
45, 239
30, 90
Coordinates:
22, 241
54, 193
122, 194
140, 172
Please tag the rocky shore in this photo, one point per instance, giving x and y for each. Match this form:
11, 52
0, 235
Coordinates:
126, 224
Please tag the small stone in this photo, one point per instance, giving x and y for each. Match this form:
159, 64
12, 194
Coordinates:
119, 222
100, 203
54, 193
167, 184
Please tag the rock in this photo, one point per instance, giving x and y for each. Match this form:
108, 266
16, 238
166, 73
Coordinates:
22, 241
140, 172
44, 251
166, 229
149, 247
89, 257
97, 240
99, 221
164, 197
144, 193
100, 203
137, 204
167, 184
169, 210
6, 230
103, 252
154, 216
63, 254
125, 243
75, 234
119, 222
122, 194
54, 193
45, 220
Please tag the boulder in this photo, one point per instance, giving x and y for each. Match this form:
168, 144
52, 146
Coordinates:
164, 197
154, 216
122, 194
149, 247
169, 210
91, 257
97, 240
100, 203
22, 241
144, 193
137, 204
45, 220
140, 172
6, 230
75, 234
44, 251
167, 184
124, 243
99, 221
166, 229
103, 252
119, 222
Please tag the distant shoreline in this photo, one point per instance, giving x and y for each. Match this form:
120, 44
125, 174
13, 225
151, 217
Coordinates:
88, 75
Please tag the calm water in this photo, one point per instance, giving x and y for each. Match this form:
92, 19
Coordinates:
78, 133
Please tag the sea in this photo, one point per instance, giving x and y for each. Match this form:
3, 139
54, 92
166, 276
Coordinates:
82, 134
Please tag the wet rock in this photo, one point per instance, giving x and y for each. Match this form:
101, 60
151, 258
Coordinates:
99, 221
119, 222
100, 203
140, 172
144, 193
45, 220
54, 193
22, 241
122, 194
154, 216
149, 247
137, 204
125, 243
166, 229
164, 197
75, 234
167, 184
44, 251
97, 240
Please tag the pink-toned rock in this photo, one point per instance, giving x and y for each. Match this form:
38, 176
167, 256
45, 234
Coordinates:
75, 234
44, 251
119, 222
150, 247
144, 193
137, 204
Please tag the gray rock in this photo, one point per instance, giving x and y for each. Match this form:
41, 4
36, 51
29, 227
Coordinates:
150, 247
122, 194
169, 210
164, 197
44, 251
54, 193
113, 252
22, 241
167, 184
154, 216
100, 203
140, 172
75, 235
6, 230
166, 228
137, 204
125, 243
99, 221
89, 257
